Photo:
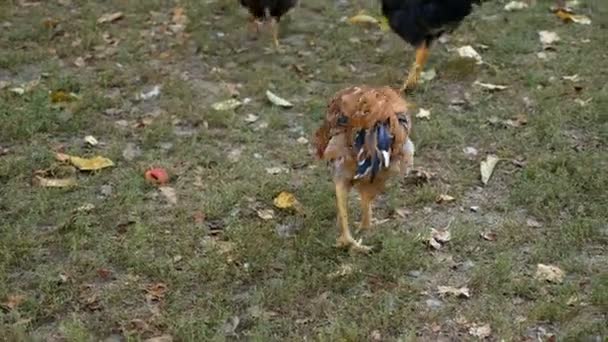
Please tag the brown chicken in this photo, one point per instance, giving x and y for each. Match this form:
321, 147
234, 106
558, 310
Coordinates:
365, 138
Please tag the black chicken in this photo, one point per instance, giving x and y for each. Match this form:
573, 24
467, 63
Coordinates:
420, 22
268, 11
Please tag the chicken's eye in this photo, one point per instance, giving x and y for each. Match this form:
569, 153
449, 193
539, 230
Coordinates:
342, 120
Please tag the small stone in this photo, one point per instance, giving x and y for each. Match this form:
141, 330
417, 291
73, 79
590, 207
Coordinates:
414, 274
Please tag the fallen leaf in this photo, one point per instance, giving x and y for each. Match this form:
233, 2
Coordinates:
54, 182
428, 75
442, 236
17, 90
457, 292
517, 121
573, 78
229, 327
150, 94
91, 140
487, 167
583, 103
104, 273
481, 331
490, 87
302, 140
489, 236
515, 6
444, 198
85, 164
287, 200
375, 336
80, 62
110, 17
365, 19
226, 105
276, 170
278, 101
402, 212
470, 152
266, 214
568, 16
468, 51
161, 338
532, 223
156, 291
169, 194
157, 175
13, 301
342, 271
59, 96
547, 38
251, 118
550, 273
424, 114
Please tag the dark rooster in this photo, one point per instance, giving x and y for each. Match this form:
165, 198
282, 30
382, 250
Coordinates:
365, 138
420, 22
270, 12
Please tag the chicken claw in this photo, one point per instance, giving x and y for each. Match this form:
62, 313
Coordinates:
353, 245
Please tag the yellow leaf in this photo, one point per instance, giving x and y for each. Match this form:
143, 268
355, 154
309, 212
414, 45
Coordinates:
62, 96
568, 16
287, 200
366, 19
85, 164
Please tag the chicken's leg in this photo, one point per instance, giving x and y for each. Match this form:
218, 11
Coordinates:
422, 55
274, 28
346, 239
254, 26
366, 211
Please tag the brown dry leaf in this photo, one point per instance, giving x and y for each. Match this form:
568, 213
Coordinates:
110, 17
550, 273
156, 291
487, 167
85, 164
481, 331
489, 236
567, 15
287, 200
13, 301
169, 193
444, 198
454, 291
161, 338
199, 217
266, 214
54, 182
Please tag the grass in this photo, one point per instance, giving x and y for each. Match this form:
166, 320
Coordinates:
87, 274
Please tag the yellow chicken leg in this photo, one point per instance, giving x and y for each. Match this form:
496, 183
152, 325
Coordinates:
274, 28
366, 212
346, 239
422, 55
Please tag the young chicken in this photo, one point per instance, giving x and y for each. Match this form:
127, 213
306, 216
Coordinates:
268, 11
420, 22
365, 138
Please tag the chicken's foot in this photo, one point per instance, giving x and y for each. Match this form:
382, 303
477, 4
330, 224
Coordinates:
346, 239
274, 28
422, 55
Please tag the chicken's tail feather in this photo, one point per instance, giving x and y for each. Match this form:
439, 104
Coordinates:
373, 148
